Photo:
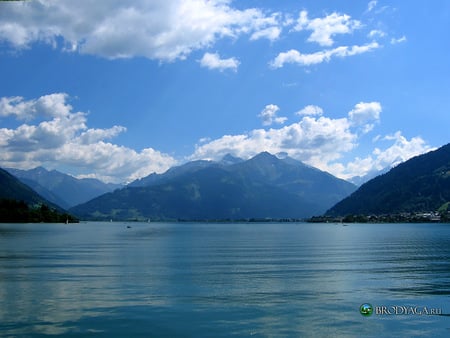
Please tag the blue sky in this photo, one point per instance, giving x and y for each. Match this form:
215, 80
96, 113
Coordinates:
119, 89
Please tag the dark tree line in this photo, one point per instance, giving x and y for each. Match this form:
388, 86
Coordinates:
12, 211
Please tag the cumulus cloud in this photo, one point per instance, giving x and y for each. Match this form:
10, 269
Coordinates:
310, 110
269, 115
296, 57
402, 149
56, 135
53, 105
167, 30
213, 61
158, 29
319, 141
314, 140
270, 33
95, 135
397, 152
61, 137
324, 28
365, 114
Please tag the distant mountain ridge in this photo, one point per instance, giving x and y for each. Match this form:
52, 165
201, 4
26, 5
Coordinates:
21, 204
62, 189
420, 184
173, 172
13, 189
360, 180
261, 187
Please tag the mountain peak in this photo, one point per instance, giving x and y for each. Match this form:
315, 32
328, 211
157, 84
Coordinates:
59, 188
39, 170
265, 156
261, 187
265, 153
230, 159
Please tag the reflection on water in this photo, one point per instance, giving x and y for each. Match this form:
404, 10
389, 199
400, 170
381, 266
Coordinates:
221, 279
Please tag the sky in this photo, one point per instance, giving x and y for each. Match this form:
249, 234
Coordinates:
117, 90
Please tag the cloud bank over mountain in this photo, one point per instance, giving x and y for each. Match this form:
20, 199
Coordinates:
54, 135
51, 133
318, 140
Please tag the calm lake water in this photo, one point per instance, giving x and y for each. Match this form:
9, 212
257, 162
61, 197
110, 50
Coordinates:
218, 280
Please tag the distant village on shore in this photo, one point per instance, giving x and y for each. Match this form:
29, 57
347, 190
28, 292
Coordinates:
404, 217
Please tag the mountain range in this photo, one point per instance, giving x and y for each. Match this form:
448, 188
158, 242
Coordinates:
62, 189
264, 186
20, 203
13, 189
421, 184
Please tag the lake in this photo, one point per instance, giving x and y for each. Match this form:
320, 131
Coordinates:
220, 280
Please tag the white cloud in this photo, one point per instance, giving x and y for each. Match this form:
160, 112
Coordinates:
315, 141
376, 33
112, 163
166, 30
95, 135
52, 105
62, 138
397, 152
319, 141
157, 29
270, 33
324, 28
395, 41
310, 110
213, 61
371, 5
323, 31
14, 106
294, 56
365, 114
267, 27
269, 115
402, 149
